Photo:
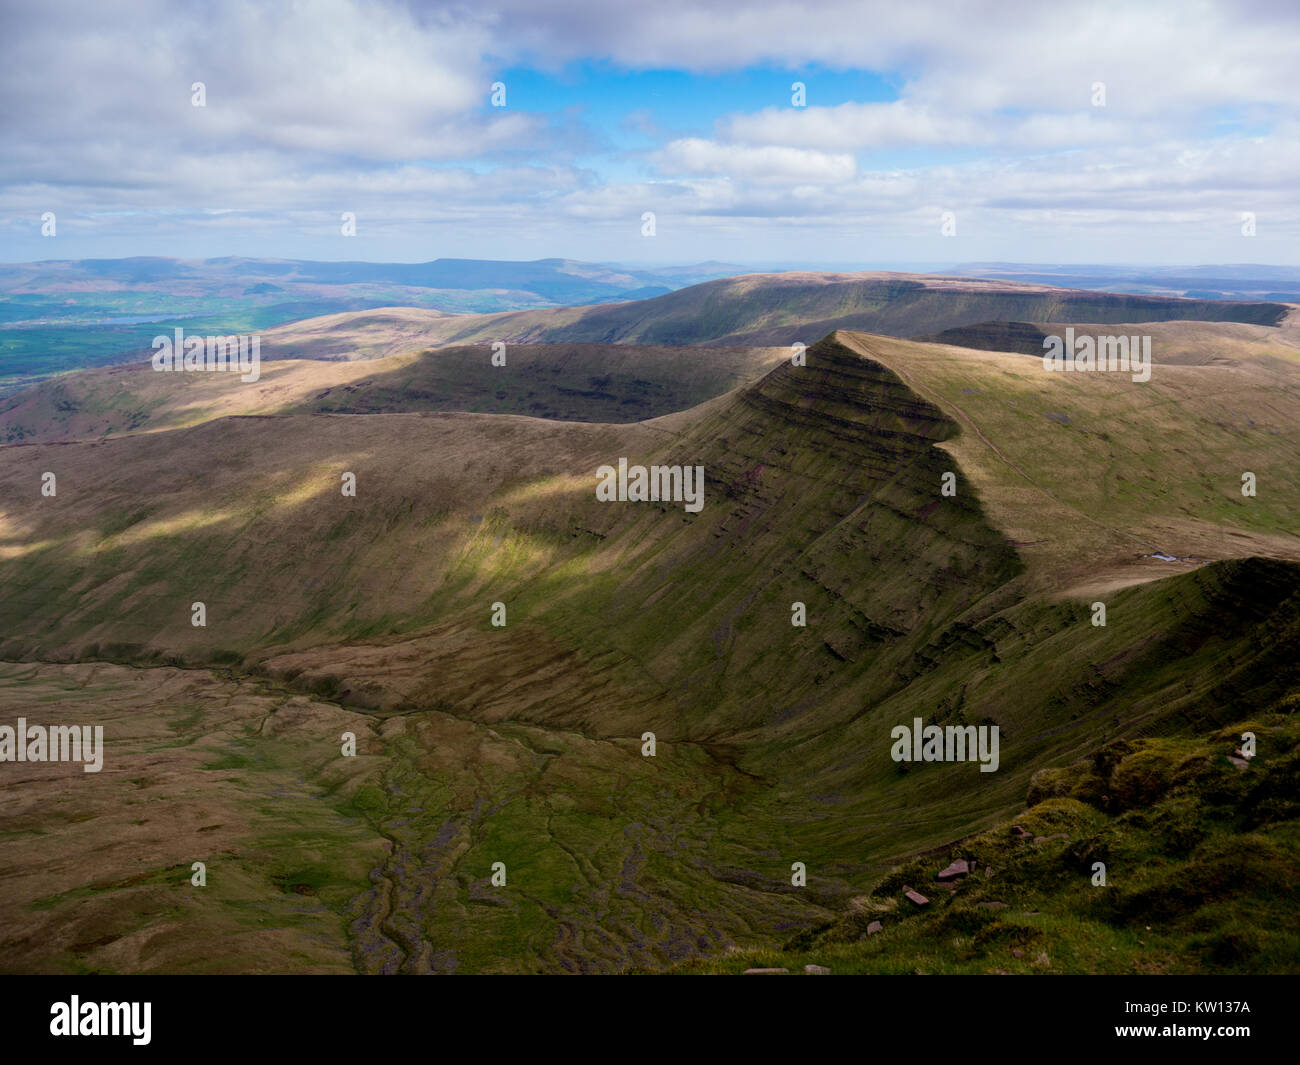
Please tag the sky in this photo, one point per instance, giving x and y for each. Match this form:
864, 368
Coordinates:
1151, 133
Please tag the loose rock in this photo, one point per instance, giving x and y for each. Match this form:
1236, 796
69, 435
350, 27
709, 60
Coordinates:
958, 868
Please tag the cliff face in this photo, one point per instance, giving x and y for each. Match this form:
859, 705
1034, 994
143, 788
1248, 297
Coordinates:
824, 488
1023, 337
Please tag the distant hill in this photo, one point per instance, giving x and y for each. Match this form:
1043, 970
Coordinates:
553, 281
62, 315
772, 309
1246, 281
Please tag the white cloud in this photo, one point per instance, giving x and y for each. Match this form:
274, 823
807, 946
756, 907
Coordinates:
1157, 56
380, 108
855, 126
761, 164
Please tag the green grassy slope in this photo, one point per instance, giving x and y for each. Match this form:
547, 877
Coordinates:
1201, 861
521, 744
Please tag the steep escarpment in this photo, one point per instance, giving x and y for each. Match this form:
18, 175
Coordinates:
824, 550
813, 479
1023, 337
824, 489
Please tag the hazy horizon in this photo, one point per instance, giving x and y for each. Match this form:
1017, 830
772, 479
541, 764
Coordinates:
849, 266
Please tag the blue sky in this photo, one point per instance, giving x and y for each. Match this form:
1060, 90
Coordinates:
931, 132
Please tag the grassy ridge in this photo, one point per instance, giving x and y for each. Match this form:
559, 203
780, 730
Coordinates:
801, 307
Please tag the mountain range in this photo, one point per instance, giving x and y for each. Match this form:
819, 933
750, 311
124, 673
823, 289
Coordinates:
906, 518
